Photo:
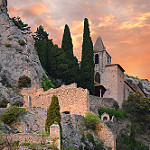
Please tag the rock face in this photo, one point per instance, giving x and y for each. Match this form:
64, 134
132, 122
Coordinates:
145, 84
16, 60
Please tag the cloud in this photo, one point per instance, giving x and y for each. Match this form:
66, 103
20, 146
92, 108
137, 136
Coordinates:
123, 25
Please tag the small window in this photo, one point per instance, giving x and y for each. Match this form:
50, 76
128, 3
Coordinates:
97, 77
66, 112
96, 59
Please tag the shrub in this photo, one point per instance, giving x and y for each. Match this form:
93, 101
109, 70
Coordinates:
115, 105
46, 83
18, 104
8, 45
12, 114
90, 137
3, 103
21, 42
24, 81
53, 113
118, 114
9, 38
91, 121
25, 144
5, 82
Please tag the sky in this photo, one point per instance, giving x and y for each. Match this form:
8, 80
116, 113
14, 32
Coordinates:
124, 26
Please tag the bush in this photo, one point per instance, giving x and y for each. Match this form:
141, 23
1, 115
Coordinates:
8, 45
91, 121
118, 114
21, 42
3, 103
18, 104
115, 105
12, 114
5, 82
90, 137
46, 83
24, 81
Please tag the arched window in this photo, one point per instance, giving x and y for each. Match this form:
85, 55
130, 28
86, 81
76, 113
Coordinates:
96, 59
97, 77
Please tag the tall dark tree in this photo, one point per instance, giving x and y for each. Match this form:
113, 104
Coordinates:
87, 63
43, 46
73, 67
58, 64
53, 113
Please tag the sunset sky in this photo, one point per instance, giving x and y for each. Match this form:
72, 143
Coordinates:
124, 26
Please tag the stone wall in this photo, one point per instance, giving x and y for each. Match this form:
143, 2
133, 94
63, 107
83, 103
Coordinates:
106, 135
113, 81
72, 99
96, 102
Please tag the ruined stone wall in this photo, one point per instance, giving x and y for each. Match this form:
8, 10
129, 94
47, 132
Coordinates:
106, 135
71, 98
113, 81
96, 102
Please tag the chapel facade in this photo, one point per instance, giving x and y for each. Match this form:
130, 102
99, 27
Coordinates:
109, 78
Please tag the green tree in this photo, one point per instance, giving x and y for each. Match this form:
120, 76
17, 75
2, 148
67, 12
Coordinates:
53, 113
138, 107
46, 83
43, 46
87, 63
132, 138
24, 27
73, 67
58, 64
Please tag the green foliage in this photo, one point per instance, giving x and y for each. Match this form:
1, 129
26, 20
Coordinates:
18, 22
58, 64
115, 105
21, 42
15, 143
24, 81
12, 114
132, 138
117, 113
3, 103
73, 67
25, 144
123, 143
90, 137
4, 81
138, 107
91, 121
46, 83
53, 113
43, 46
17, 104
9, 38
87, 64
8, 45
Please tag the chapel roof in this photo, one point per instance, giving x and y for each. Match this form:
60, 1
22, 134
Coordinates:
99, 45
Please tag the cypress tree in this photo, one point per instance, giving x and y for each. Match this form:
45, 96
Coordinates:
53, 113
58, 64
73, 67
87, 63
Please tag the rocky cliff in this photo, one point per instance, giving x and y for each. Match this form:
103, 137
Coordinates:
16, 60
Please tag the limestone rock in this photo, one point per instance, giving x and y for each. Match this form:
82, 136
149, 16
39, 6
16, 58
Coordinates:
17, 60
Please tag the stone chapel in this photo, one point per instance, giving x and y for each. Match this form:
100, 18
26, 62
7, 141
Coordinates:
109, 78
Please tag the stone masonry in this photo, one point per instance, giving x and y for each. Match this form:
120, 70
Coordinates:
71, 99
